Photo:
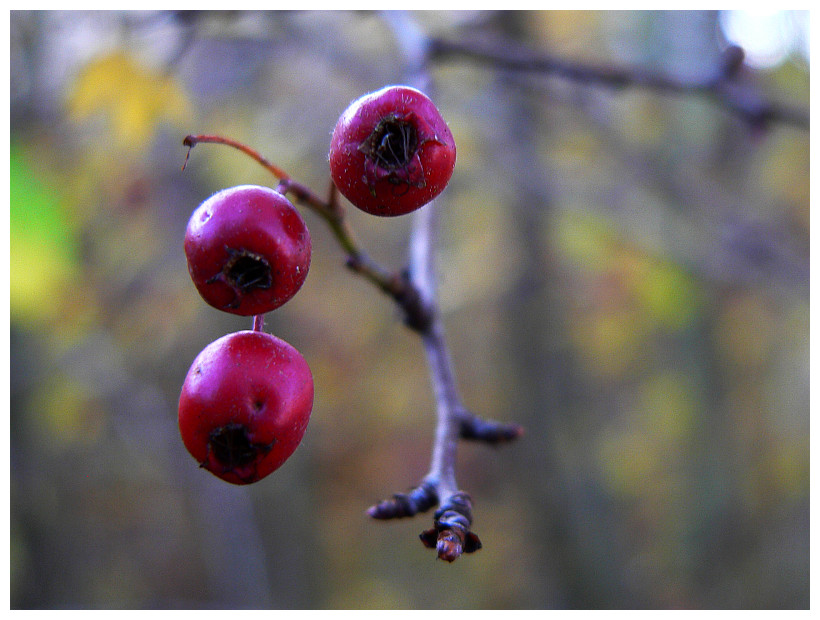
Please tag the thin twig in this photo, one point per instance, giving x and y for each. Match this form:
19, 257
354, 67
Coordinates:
450, 535
192, 141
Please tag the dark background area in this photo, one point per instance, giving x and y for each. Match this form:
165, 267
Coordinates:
624, 272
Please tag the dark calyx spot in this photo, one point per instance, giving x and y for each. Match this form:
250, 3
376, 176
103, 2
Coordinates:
392, 144
232, 448
246, 271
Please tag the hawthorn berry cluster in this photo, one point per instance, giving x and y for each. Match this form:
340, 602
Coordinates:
247, 398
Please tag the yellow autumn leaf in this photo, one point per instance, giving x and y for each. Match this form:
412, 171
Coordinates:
132, 98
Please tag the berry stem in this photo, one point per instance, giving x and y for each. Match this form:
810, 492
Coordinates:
192, 140
259, 323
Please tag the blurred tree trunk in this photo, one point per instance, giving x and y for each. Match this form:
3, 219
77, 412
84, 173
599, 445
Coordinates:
579, 551
544, 366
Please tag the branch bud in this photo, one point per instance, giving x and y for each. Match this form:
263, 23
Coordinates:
451, 535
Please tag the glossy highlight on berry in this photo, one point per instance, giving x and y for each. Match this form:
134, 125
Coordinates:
391, 151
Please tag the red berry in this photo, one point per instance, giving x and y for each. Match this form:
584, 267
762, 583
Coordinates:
391, 151
245, 405
248, 250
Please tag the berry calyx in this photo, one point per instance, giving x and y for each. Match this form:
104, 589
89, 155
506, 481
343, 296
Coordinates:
248, 250
391, 151
245, 405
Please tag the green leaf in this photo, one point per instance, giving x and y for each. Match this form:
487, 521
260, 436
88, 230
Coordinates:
43, 248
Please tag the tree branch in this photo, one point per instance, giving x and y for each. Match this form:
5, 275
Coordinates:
450, 535
721, 85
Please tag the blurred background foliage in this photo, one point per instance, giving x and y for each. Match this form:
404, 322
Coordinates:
622, 272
